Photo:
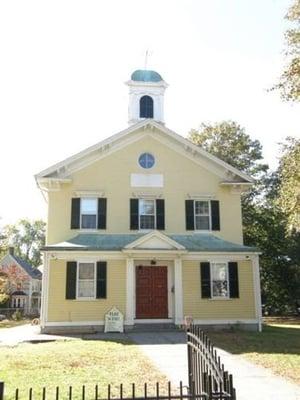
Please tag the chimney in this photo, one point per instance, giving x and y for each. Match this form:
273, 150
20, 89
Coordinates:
11, 251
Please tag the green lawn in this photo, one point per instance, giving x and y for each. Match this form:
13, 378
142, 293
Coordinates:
9, 323
277, 347
75, 363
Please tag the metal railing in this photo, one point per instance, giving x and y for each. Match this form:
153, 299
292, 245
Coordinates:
206, 372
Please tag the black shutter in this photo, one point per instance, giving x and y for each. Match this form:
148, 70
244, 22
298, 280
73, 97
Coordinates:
233, 279
134, 214
205, 280
102, 213
75, 213
215, 215
189, 215
71, 280
101, 279
160, 214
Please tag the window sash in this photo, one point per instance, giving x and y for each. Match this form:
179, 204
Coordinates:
202, 216
86, 284
88, 217
219, 285
147, 220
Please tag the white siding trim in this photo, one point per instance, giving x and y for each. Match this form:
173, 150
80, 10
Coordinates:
129, 291
45, 290
178, 290
225, 321
257, 290
74, 323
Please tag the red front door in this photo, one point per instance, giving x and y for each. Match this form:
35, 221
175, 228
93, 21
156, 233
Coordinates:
151, 292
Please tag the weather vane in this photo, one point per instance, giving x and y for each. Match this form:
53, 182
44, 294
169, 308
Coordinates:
147, 55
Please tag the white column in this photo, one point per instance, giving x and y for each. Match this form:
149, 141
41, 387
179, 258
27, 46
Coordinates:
257, 291
30, 296
178, 291
129, 292
45, 290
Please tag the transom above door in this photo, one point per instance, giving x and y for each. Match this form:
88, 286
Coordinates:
151, 292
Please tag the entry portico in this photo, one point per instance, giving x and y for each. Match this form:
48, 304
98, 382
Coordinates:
155, 251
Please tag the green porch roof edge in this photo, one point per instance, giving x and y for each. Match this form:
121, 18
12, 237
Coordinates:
196, 242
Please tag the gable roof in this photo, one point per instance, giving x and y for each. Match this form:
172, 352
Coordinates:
196, 242
59, 171
34, 273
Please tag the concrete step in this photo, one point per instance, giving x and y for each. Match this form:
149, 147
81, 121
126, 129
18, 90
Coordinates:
154, 327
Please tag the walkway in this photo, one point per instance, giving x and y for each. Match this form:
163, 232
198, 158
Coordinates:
25, 333
167, 350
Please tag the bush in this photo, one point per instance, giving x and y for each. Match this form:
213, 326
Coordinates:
17, 315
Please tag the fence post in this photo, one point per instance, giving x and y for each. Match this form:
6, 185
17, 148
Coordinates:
1, 390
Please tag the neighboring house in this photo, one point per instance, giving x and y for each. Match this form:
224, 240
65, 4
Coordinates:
150, 223
25, 283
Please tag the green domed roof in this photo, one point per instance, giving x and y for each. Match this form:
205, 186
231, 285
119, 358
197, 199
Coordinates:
145, 75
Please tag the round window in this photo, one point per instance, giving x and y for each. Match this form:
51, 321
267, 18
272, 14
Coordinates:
146, 160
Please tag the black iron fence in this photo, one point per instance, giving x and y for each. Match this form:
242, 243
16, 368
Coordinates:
207, 380
157, 391
206, 372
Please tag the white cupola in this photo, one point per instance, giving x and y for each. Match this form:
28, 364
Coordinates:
146, 96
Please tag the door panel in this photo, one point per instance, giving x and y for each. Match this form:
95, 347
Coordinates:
151, 292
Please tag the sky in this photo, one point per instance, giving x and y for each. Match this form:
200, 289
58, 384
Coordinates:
64, 64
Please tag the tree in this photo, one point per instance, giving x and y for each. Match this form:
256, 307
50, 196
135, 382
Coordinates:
11, 278
4, 296
26, 237
265, 228
289, 84
228, 141
265, 220
289, 176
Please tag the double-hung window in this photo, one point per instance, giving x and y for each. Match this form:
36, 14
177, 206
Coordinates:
86, 282
88, 213
202, 215
147, 214
219, 280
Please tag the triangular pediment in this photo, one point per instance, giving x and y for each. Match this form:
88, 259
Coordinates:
61, 173
154, 241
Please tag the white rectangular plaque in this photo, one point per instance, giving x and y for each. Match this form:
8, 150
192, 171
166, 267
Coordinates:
114, 321
147, 180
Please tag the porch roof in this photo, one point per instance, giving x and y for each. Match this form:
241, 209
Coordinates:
196, 242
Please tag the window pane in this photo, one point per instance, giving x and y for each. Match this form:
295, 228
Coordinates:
201, 207
220, 280
146, 160
202, 223
88, 221
146, 107
86, 271
147, 222
88, 206
219, 271
85, 288
146, 207
220, 289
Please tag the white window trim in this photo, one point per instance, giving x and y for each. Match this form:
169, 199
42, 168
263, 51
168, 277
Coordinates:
143, 229
80, 219
77, 281
212, 297
209, 216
